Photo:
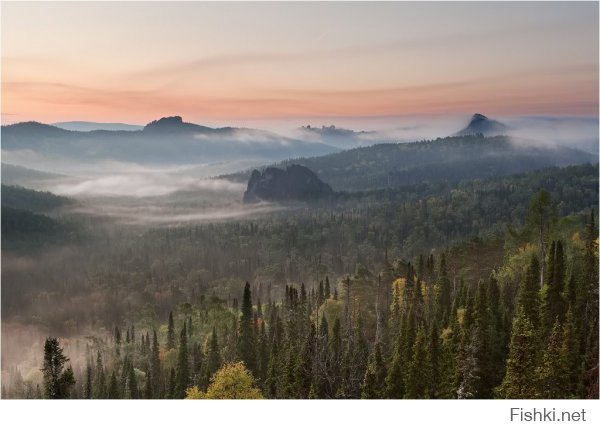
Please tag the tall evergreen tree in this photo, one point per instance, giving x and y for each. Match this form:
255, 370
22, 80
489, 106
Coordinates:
171, 333
529, 293
246, 343
100, 390
373, 385
113, 387
155, 368
552, 303
183, 366
87, 391
57, 380
443, 296
518, 382
551, 373
213, 360
419, 373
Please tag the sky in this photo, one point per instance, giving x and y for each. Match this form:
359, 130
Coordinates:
246, 63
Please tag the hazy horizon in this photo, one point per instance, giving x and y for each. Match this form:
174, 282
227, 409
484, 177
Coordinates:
269, 64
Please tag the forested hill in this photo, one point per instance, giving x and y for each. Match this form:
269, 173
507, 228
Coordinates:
31, 200
26, 223
444, 159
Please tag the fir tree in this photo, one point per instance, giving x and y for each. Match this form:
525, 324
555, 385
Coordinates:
373, 385
171, 386
155, 369
419, 373
87, 391
100, 379
570, 353
551, 373
529, 293
171, 332
213, 361
518, 382
442, 293
183, 369
553, 304
113, 387
57, 380
148, 393
246, 344
304, 365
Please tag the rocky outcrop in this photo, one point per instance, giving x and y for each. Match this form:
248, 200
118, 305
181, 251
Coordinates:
294, 183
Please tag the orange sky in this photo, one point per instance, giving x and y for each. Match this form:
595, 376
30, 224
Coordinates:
221, 63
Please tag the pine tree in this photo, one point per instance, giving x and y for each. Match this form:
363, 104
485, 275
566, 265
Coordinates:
373, 385
550, 375
272, 381
213, 361
100, 379
419, 373
57, 380
394, 382
87, 391
183, 369
131, 387
529, 293
570, 353
117, 341
171, 386
262, 353
327, 288
304, 366
434, 358
246, 344
148, 393
443, 294
155, 369
113, 387
552, 303
518, 382
171, 333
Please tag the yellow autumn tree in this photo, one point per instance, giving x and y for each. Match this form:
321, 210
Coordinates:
232, 381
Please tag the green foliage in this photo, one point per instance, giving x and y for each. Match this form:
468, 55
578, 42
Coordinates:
57, 380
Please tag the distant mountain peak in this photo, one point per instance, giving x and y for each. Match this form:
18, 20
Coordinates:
175, 124
481, 124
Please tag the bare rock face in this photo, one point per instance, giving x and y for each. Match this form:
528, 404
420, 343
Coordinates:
294, 183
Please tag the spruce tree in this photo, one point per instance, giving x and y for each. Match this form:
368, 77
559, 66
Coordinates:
553, 303
443, 296
304, 366
113, 387
551, 373
57, 380
419, 373
183, 366
570, 353
155, 369
148, 393
246, 344
171, 386
373, 385
87, 391
529, 293
100, 379
171, 333
213, 360
518, 382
